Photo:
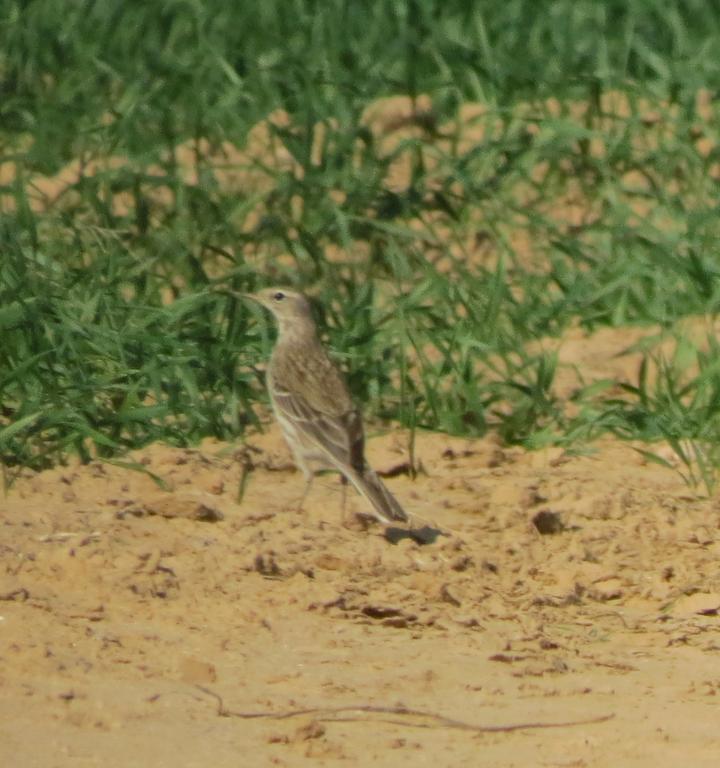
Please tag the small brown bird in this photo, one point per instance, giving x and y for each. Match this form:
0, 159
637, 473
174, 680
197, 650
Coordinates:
313, 406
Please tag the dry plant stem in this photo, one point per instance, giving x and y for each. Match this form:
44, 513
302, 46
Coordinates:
334, 714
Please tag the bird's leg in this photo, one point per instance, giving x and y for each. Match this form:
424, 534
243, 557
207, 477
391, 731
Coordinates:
308, 474
309, 477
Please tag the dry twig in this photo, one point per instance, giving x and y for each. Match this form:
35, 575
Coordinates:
335, 714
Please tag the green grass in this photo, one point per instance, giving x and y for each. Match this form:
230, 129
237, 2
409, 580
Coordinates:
113, 333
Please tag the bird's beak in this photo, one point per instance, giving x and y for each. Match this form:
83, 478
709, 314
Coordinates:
254, 298
239, 295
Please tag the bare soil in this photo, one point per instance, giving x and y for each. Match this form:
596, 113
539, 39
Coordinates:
575, 595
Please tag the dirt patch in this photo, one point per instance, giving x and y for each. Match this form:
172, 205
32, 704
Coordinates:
558, 589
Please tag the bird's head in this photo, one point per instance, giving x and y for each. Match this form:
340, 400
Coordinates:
287, 306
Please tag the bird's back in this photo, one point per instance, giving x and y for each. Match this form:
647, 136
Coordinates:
307, 371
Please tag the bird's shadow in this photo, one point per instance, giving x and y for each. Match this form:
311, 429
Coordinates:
425, 535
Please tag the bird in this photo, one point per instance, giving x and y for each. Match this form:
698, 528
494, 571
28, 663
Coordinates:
311, 401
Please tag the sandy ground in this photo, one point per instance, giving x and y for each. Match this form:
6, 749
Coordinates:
141, 626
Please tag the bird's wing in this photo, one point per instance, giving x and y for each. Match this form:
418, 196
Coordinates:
339, 434
309, 390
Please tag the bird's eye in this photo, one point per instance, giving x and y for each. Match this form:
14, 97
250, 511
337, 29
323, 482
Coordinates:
279, 296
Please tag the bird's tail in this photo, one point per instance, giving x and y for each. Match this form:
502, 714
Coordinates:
386, 506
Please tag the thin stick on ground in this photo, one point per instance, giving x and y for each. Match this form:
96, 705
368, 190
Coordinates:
335, 714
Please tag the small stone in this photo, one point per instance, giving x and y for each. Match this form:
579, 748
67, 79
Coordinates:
548, 522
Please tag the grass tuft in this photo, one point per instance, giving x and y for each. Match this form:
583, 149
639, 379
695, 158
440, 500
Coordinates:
459, 186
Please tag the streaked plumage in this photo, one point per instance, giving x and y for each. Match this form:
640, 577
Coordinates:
311, 402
